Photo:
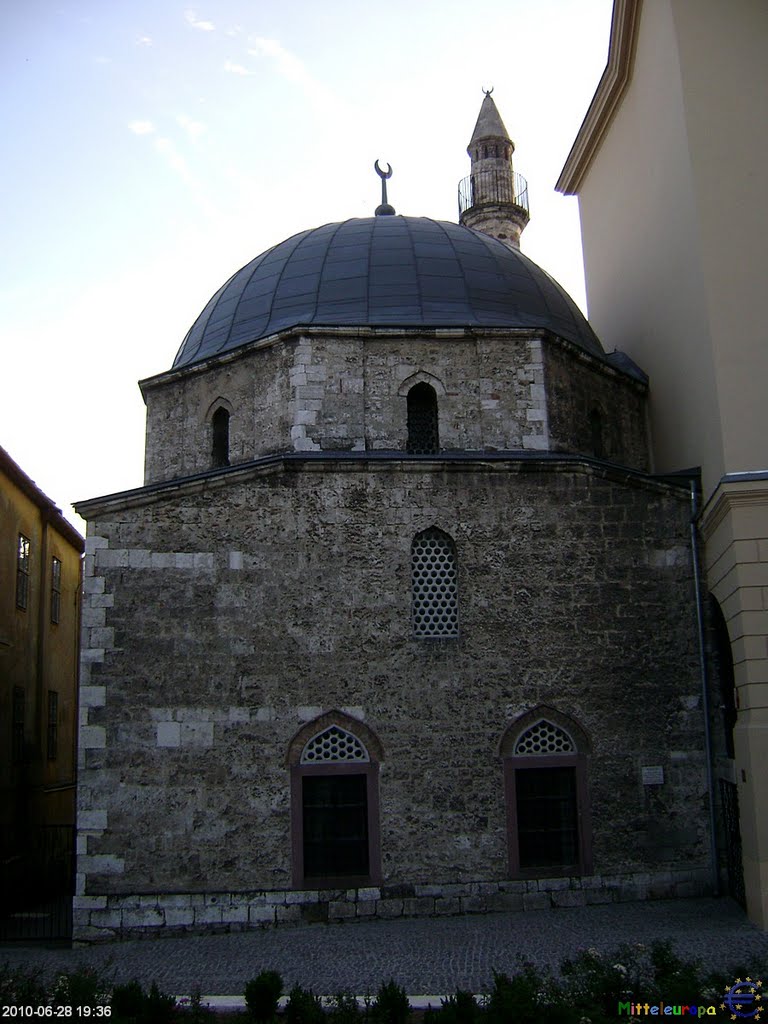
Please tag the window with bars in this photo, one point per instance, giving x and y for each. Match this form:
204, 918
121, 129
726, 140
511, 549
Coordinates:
547, 818
220, 438
55, 590
423, 434
53, 725
23, 559
335, 819
435, 605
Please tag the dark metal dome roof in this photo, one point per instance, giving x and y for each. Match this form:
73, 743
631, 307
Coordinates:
379, 272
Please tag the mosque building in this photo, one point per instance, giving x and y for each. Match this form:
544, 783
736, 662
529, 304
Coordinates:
401, 622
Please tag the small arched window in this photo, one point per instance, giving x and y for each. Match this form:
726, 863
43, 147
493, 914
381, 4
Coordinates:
596, 433
423, 433
220, 438
435, 592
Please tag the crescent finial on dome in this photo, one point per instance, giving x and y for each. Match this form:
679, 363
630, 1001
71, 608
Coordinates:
384, 209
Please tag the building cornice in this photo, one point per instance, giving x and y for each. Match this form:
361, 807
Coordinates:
605, 102
605, 363
735, 491
378, 461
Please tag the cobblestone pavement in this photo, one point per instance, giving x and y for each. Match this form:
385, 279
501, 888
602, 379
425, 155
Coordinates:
427, 955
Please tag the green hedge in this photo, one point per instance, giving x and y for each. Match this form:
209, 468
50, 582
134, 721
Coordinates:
590, 988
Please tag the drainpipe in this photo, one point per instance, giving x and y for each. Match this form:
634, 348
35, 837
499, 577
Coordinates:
704, 687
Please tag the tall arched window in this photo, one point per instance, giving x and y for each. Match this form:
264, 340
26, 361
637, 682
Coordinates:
335, 815
435, 599
220, 438
423, 434
547, 801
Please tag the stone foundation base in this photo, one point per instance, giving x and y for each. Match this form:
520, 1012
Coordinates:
110, 917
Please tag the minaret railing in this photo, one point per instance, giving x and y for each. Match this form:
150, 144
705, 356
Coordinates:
494, 186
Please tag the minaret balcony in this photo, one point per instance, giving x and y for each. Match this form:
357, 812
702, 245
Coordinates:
493, 187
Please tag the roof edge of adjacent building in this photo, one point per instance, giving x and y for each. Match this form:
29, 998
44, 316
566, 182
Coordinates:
610, 90
49, 509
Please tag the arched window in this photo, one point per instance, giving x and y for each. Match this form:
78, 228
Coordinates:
220, 438
423, 435
435, 598
547, 803
596, 433
335, 816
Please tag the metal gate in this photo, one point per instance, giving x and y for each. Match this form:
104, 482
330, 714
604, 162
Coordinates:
730, 800
37, 875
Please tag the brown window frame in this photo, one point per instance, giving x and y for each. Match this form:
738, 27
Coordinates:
578, 761
23, 571
55, 590
370, 769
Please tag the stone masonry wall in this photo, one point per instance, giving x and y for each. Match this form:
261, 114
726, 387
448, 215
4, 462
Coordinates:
575, 386
223, 616
104, 918
345, 390
254, 389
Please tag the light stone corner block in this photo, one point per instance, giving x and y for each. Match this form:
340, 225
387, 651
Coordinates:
92, 696
95, 542
168, 734
92, 821
93, 737
306, 713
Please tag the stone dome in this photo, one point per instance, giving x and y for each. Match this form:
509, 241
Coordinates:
384, 272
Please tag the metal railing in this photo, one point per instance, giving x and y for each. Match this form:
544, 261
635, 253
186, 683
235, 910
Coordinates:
484, 187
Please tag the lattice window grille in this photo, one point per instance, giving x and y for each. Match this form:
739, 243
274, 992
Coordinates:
545, 738
333, 745
435, 596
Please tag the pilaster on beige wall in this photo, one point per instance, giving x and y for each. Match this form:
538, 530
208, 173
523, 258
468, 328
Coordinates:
735, 528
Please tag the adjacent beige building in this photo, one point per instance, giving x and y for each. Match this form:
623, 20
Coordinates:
669, 170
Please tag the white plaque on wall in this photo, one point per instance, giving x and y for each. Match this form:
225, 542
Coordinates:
653, 775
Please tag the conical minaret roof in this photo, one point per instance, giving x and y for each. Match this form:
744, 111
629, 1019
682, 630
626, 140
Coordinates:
493, 199
489, 124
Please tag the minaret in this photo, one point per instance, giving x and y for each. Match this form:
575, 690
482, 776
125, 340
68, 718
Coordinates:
493, 199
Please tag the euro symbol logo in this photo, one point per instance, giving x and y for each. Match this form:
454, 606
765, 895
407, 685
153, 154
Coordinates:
743, 1000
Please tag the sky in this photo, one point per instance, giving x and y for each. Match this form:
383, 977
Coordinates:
150, 149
